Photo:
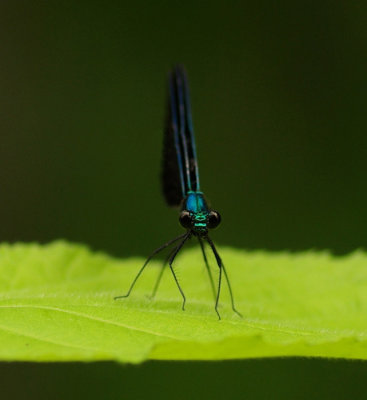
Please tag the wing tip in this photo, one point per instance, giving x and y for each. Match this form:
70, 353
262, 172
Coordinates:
178, 70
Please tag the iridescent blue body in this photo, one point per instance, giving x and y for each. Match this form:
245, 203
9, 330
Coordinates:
181, 187
196, 204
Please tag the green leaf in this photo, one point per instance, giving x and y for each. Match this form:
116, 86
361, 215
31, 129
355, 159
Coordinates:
56, 304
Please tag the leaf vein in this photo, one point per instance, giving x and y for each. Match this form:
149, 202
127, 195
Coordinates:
105, 321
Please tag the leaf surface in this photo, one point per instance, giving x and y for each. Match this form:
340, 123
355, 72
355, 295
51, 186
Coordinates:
56, 304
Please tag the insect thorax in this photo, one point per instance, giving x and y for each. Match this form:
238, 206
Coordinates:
196, 205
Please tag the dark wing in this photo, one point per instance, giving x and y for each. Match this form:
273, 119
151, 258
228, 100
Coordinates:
180, 168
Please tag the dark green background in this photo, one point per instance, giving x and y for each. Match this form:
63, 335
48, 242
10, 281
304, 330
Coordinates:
279, 107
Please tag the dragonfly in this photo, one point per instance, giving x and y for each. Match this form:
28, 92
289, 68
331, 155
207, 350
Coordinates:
181, 188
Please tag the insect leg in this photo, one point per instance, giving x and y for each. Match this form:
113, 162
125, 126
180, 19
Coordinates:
163, 267
170, 262
207, 266
156, 251
231, 294
221, 267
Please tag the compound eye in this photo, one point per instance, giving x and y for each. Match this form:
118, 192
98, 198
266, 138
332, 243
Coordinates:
185, 219
213, 219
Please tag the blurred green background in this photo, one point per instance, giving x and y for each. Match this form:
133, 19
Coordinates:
279, 108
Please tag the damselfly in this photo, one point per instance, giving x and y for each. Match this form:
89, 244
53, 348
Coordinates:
181, 187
